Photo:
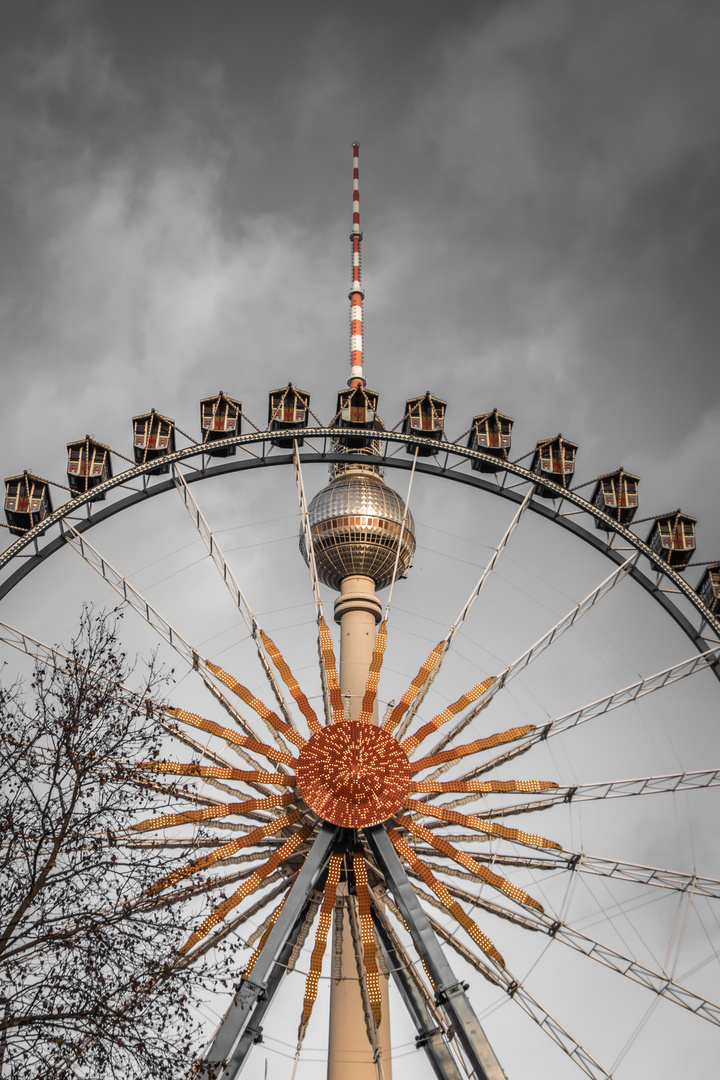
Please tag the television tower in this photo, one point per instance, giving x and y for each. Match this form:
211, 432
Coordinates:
363, 537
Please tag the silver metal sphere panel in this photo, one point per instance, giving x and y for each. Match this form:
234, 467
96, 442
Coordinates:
356, 523
357, 494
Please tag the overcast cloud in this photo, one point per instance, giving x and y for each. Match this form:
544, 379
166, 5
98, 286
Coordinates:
539, 200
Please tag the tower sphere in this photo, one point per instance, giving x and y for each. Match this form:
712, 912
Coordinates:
355, 524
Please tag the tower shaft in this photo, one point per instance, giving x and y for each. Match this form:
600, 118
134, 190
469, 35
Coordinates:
358, 611
351, 1054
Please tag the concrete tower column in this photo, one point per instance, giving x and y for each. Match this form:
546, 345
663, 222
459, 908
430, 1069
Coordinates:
350, 1055
358, 611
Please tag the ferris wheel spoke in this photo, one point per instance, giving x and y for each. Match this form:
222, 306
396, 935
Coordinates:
231, 927
365, 932
478, 824
449, 992
699, 662
47, 654
223, 851
464, 859
291, 682
212, 755
271, 719
232, 1040
396, 714
233, 587
55, 658
231, 736
653, 980
173, 792
445, 758
262, 933
445, 645
430, 1025
153, 618
330, 687
611, 868
462, 702
444, 898
371, 685
254, 882
212, 771
611, 789
540, 646
242, 723
166, 821
528, 1004
321, 934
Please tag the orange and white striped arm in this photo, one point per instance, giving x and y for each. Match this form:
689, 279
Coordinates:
266, 934
291, 682
475, 868
447, 714
224, 851
471, 748
414, 688
259, 706
490, 828
247, 887
217, 772
328, 656
321, 935
209, 812
444, 896
484, 787
374, 674
230, 735
367, 936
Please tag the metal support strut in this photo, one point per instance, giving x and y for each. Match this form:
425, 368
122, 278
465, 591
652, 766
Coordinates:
430, 1036
226, 1056
450, 992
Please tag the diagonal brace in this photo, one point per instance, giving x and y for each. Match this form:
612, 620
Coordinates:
429, 1037
450, 993
228, 1051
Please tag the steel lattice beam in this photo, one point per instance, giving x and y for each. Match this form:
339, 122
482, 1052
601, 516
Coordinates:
536, 650
234, 589
514, 989
705, 660
653, 980
592, 864
450, 992
608, 789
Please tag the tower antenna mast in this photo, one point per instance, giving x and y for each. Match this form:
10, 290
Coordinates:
356, 294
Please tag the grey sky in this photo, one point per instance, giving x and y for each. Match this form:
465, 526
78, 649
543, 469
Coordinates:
538, 183
538, 200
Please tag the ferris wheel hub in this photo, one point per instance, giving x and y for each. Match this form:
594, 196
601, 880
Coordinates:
353, 774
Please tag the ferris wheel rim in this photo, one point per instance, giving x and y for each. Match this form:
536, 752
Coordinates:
544, 509
548, 510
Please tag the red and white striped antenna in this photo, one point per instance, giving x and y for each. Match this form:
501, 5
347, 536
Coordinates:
356, 293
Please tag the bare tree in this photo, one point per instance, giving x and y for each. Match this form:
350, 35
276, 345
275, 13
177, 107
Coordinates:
89, 980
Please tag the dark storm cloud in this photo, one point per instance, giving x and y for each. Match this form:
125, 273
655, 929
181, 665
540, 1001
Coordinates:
538, 201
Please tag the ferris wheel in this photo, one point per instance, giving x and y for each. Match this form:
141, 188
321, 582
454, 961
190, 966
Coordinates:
387, 795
